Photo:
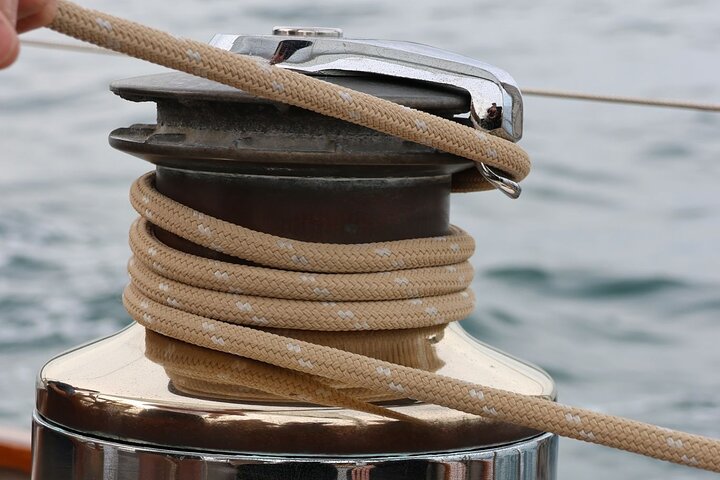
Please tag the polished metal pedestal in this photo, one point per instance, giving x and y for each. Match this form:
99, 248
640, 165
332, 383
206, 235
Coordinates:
109, 411
64, 455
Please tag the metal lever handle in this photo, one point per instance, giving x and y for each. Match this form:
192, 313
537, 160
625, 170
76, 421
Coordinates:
508, 187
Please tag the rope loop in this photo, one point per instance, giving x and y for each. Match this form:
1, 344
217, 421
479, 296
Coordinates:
209, 304
290, 254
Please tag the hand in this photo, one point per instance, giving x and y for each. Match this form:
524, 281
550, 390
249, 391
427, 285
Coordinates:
17, 16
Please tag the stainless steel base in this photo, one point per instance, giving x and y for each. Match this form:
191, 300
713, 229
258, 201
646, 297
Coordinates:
60, 454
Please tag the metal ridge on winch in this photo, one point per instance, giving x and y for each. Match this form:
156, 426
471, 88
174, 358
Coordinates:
495, 100
409, 74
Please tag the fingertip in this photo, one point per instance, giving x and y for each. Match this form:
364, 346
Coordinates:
11, 56
40, 19
28, 8
9, 43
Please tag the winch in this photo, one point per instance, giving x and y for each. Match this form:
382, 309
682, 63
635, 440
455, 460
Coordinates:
142, 405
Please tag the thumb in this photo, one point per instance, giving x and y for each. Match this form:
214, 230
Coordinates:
9, 9
9, 43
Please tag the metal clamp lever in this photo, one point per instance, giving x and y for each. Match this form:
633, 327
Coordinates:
505, 185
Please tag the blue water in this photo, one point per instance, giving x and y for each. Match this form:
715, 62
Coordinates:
606, 272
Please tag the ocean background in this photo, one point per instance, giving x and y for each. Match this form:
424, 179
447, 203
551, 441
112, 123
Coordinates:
606, 272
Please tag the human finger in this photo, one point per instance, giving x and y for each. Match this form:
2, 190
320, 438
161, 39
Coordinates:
9, 43
9, 8
38, 19
28, 8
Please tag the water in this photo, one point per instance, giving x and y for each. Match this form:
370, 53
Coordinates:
606, 272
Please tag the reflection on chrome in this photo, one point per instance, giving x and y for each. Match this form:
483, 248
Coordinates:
130, 387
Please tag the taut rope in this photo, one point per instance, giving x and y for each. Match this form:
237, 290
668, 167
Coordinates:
623, 99
526, 91
194, 299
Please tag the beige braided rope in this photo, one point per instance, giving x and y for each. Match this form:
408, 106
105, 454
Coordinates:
353, 369
306, 315
158, 303
260, 281
228, 299
269, 250
258, 77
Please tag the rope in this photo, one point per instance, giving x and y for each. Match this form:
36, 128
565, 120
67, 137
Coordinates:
166, 298
273, 251
66, 46
530, 92
650, 102
256, 76
223, 320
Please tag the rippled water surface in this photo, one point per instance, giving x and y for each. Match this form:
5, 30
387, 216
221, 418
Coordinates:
606, 272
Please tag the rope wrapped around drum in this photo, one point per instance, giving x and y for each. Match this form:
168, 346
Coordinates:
214, 305
301, 285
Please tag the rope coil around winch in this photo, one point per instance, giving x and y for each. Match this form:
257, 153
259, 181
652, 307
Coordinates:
272, 251
155, 307
260, 281
155, 302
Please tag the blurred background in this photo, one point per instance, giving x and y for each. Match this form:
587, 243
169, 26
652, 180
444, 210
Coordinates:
606, 272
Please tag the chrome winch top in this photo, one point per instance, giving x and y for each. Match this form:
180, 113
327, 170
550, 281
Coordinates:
495, 100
